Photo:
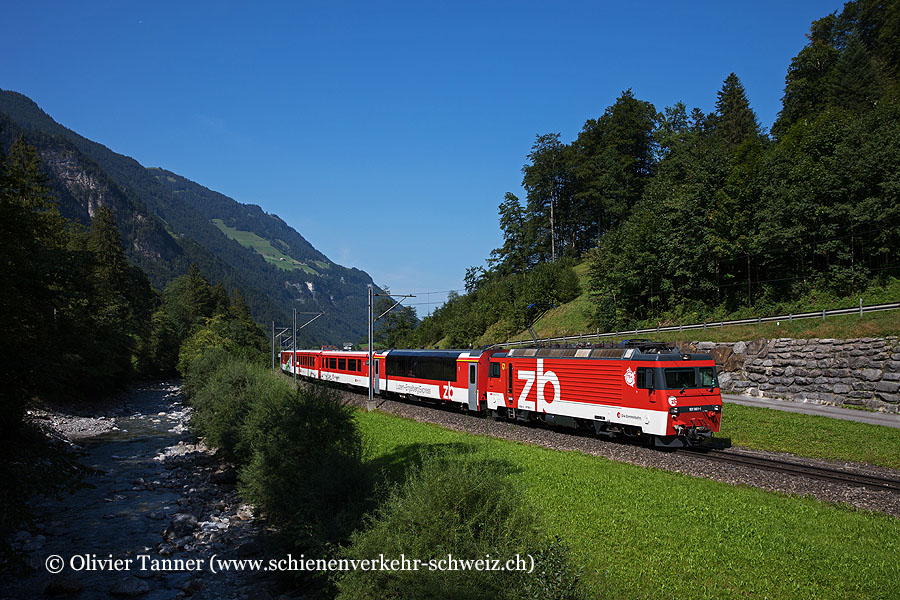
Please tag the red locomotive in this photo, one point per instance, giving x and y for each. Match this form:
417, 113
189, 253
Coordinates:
636, 388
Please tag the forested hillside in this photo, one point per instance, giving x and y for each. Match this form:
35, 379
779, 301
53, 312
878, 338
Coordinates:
689, 216
169, 222
80, 320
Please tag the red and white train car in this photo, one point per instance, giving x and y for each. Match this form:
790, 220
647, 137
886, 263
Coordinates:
639, 388
306, 363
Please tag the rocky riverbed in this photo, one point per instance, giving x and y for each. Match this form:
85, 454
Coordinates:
158, 515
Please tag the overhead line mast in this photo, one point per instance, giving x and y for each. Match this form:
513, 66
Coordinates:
370, 404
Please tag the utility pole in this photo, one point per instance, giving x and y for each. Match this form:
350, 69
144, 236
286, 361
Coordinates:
370, 404
294, 349
277, 342
280, 343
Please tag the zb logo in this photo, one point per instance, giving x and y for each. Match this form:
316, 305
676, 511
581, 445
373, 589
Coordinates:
542, 378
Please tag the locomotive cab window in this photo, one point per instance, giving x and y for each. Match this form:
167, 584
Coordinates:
708, 377
495, 370
690, 378
646, 378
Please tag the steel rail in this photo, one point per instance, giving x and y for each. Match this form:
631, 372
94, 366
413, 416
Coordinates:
833, 475
875, 482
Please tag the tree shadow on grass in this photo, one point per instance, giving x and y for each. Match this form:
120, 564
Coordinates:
393, 468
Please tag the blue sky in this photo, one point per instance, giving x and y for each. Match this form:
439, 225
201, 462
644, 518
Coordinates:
385, 132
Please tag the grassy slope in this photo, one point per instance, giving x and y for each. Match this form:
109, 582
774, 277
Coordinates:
262, 246
573, 318
810, 435
643, 533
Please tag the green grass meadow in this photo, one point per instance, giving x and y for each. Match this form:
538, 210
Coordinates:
810, 435
263, 247
645, 533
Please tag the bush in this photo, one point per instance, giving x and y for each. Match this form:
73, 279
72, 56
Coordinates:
235, 336
223, 388
199, 371
464, 506
305, 466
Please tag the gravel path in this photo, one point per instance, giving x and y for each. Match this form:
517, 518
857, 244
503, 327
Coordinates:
679, 462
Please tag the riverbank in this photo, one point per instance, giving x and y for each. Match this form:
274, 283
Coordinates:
159, 502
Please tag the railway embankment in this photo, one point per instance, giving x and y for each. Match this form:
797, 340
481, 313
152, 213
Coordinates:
860, 372
687, 463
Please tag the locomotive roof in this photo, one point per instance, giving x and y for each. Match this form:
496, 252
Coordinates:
654, 352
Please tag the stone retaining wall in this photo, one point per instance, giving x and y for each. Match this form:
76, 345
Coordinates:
855, 372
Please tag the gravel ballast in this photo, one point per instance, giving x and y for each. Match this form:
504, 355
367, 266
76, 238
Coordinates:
686, 462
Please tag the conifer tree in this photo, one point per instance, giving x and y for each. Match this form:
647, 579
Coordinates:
29, 233
735, 120
854, 84
111, 267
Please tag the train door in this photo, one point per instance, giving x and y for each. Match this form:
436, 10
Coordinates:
473, 386
375, 378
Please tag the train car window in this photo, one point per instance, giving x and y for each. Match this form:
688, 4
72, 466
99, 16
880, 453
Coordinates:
471, 373
495, 370
332, 363
434, 368
342, 364
683, 377
396, 366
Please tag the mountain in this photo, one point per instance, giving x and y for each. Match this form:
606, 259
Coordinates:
168, 222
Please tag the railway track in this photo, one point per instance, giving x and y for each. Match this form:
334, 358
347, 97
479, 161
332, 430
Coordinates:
873, 482
720, 454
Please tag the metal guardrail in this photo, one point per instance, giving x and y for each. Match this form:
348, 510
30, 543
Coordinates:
823, 314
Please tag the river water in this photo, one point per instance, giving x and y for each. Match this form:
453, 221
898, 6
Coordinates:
159, 507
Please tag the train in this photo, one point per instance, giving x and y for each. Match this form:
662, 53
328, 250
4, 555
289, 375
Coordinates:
634, 388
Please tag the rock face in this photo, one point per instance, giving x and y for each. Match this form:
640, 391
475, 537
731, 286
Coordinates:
854, 372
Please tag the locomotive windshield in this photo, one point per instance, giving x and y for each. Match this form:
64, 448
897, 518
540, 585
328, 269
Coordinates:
690, 377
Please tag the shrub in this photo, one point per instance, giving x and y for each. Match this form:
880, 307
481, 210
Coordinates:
223, 390
464, 506
199, 370
235, 336
305, 466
